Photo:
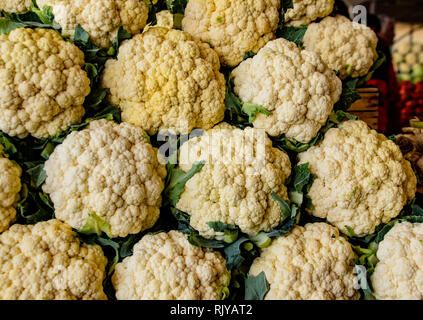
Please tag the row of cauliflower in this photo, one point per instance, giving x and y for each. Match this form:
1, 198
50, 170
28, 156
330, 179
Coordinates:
163, 79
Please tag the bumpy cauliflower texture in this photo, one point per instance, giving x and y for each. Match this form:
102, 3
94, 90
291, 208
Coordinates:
100, 18
232, 28
399, 272
166, 266
10, 185
110, 170
47, 261
306, 11
293, 84
345, 46
242, 169
18, 6
310, 263
165, 79
42, 84
362, 178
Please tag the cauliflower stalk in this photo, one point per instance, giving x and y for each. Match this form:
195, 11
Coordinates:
362, 178
311, 262
345, 46
100, 18
166, 79
241, 171
166, 266
398, 274
10, 186
232, 28
109, 170
306, 11
42, 84
294, 85
46, 261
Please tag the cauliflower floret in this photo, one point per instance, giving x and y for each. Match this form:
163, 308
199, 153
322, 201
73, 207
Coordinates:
10, 185
294, 85
310, 263
47, 262
399, 272
362, 178
166, 266
165, 19
232, 28
100, 18
18, 6
241, 171
306, 11
110, 170
345, 46
42, 84
165, 79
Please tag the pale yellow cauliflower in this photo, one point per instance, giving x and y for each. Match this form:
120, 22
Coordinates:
232, 28
110, 170
18, 6
345, 46
100, 18
10, 185
306, 11
362, 178
399, 273
166, 266
46, 261
295, 85
42, 84
310, 263
165, 79
241, 171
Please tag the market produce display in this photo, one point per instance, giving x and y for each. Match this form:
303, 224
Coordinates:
197, 150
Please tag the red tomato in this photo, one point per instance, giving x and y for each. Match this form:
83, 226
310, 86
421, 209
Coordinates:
419, 110
410, 104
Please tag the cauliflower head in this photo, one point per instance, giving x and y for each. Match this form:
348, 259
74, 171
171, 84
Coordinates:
241, 171
166, 266
295, 85
110, 170
310, 263
18, 6
46, 261
10, 186
100, 18
232, 28
42, 84
363, 180
306, 11
398, 274
165, 79
345, 46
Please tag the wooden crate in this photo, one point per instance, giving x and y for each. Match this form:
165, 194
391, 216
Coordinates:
367, 108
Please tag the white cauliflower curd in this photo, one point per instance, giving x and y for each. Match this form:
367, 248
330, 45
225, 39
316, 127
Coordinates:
110, 170
310, 263
294, 85
100, 18
241, 171
46, 261
166, 266
345, 46
42, 83
232, 28
362, 179
306, 11
166, 79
